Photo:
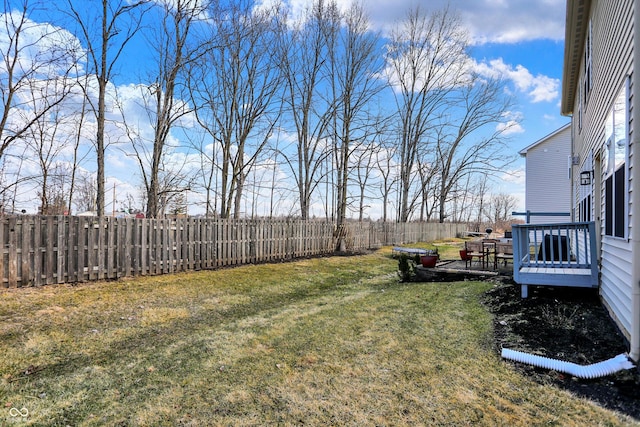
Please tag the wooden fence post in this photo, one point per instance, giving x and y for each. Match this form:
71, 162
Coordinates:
36, 250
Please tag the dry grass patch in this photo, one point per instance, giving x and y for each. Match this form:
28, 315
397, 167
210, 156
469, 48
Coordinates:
328, 341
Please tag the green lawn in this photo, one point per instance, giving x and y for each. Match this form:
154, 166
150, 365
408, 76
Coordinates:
328, 341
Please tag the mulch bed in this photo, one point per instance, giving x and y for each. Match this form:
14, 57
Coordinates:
568, 324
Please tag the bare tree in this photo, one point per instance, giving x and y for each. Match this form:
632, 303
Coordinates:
425, 62
428, 183
500, 207
85, 192
172, 54
77, 136
387, 169
106, 35
172, 175
481, 199
366, 169
305, 67
206, 174
469, 197
45, 141
236, 100
32, 57
364, 159
469, 138
355, 60
56, 190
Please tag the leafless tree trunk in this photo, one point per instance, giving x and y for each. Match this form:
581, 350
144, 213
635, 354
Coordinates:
481, 105
207, 175
28, 69
105, 42
172, 55
425, 60
45, 143
388, 173
234, 89
77, 141
500, 208
481, 199
355, 58
364, 159
304, 61
366, 162
428, 183
85, 192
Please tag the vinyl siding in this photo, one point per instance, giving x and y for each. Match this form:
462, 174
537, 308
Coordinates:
612, 31
615, 287
548, 187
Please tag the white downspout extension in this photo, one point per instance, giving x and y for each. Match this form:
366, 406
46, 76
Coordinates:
634, 344
595, 370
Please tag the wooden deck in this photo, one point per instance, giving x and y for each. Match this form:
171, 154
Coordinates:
555, 255
451, 270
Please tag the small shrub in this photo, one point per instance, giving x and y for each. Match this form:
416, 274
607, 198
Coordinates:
560, 316
407, 266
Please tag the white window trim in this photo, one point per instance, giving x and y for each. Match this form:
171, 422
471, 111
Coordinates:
609, 148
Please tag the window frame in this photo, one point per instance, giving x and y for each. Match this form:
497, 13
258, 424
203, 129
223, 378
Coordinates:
588, 62
616, 166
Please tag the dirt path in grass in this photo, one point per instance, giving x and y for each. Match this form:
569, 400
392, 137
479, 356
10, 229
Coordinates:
566, 324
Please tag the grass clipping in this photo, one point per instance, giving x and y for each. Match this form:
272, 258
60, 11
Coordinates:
331, 341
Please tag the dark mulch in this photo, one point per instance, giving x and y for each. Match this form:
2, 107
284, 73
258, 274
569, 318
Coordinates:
568, 324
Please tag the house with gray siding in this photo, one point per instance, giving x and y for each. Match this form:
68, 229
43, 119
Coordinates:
548, 177
599, 91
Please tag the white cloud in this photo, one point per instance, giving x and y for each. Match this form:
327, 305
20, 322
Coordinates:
539, 88
43, 50
544, 88
514, 20
510, 127
489, 21
514, 176
511, 124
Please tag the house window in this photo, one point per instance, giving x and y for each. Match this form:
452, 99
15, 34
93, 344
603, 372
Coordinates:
584, 213
588, 63
580, 96
615, 166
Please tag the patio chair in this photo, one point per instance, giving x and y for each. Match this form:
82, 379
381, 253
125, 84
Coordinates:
504, 252
489, 249
474, 250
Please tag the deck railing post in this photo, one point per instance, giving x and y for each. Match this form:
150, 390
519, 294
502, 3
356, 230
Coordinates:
593, 253
565, 254
517, 254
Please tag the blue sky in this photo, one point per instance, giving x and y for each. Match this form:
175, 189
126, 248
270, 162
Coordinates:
522, 40
519, 40
528, 38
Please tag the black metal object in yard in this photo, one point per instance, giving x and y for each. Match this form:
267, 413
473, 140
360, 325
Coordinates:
554, 248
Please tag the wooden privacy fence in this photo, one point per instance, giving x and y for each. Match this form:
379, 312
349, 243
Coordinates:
40, 250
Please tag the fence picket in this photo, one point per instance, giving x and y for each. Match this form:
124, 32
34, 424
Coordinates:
39, 250
81, 247
13, 253
25, 252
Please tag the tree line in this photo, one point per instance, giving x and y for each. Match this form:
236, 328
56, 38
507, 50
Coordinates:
240, 104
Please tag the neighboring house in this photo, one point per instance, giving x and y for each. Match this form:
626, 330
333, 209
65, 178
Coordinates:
548, 177
601, 83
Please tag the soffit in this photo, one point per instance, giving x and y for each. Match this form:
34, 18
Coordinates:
577, 19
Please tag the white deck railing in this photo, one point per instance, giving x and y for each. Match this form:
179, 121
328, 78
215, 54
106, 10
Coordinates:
562, 254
